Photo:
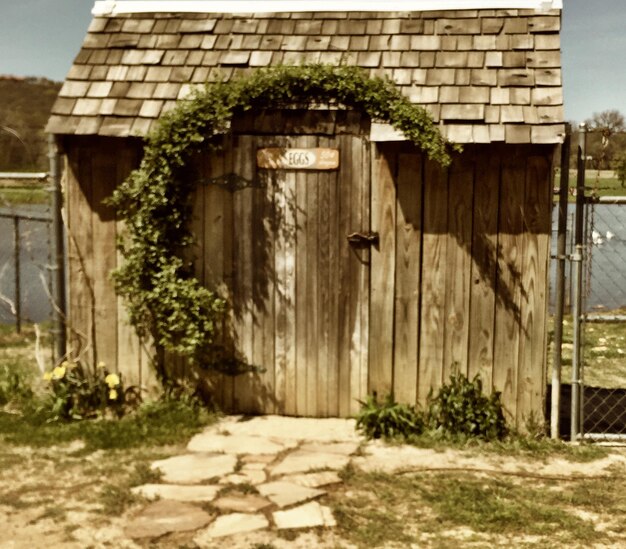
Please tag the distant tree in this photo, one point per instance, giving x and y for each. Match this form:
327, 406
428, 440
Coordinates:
25, 105
605, 125
620, 169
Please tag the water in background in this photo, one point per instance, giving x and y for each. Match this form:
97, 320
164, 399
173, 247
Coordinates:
605, 269
35, 244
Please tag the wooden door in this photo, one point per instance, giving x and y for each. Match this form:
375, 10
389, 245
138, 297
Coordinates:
300, 289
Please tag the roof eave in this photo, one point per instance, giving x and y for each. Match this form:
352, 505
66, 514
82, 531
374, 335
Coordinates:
114, 7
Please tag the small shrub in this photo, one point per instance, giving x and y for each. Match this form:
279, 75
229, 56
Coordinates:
77, 394
461, 409
389, 419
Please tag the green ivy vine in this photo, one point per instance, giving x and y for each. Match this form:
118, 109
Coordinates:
164, 298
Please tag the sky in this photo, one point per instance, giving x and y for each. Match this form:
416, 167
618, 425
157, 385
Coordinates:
42, 37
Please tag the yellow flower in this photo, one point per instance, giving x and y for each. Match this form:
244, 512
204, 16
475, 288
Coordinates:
47, 376
101, 365
112, 394
58, 372
112, 380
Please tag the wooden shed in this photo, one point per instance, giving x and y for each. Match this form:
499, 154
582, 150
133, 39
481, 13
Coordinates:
384, 273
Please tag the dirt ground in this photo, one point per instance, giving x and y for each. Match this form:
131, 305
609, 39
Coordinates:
65, 497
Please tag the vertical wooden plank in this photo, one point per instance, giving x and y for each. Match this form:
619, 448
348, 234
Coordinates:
312, 297
80, 255
334, 286
407, 286
104, 256
383, 215
434, 257
304, 183
324, 291
222, 164
288, 229
362, 342
532, 351
245, 167
509, 283
262, 260
128, 345
212, 199
348, 221
264, 339
484, 255
459, 264
280, 288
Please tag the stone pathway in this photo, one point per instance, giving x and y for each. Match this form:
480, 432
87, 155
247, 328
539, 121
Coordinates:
264, 473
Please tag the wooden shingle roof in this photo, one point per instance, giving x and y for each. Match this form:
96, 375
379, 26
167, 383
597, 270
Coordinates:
485, 75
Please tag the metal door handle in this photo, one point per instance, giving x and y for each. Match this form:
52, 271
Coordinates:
362, 239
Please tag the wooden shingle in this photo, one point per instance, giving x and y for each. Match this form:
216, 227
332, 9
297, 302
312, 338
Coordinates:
196, 25
87, 107
544, 24
138, 25
63, 105
492, 69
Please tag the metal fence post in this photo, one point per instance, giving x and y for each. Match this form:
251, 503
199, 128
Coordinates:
16, 261
560, 285
59, 251
577, 259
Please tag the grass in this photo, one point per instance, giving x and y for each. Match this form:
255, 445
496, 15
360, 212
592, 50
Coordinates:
16, 196
605, 184
604, 353
51, 471
154, 424
52, 468
25, 420
376, 510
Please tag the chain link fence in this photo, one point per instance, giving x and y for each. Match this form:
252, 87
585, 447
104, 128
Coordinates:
25, 262
603, 374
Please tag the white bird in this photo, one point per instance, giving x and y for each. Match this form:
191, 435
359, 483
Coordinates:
596, 237
609, 235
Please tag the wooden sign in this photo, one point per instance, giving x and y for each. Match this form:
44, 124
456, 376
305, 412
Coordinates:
298, 159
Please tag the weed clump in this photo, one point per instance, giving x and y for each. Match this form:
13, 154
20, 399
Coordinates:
460, 409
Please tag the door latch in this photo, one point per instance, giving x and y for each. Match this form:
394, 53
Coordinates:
363, 239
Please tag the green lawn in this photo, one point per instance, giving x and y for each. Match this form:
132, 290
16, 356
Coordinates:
603, 184
604, 353
15, 193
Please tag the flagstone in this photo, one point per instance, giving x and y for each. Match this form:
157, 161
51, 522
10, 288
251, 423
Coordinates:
195, 468
245, 477
343, 448
308, 515
164, 517
233, 444
287, 493
256, 459
229, 525
248, 503
251, 466
290, 429
314, 480
301, 461
177, 492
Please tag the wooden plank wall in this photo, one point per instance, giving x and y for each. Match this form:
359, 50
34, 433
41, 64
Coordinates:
457, 282
98, 324
298, 295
